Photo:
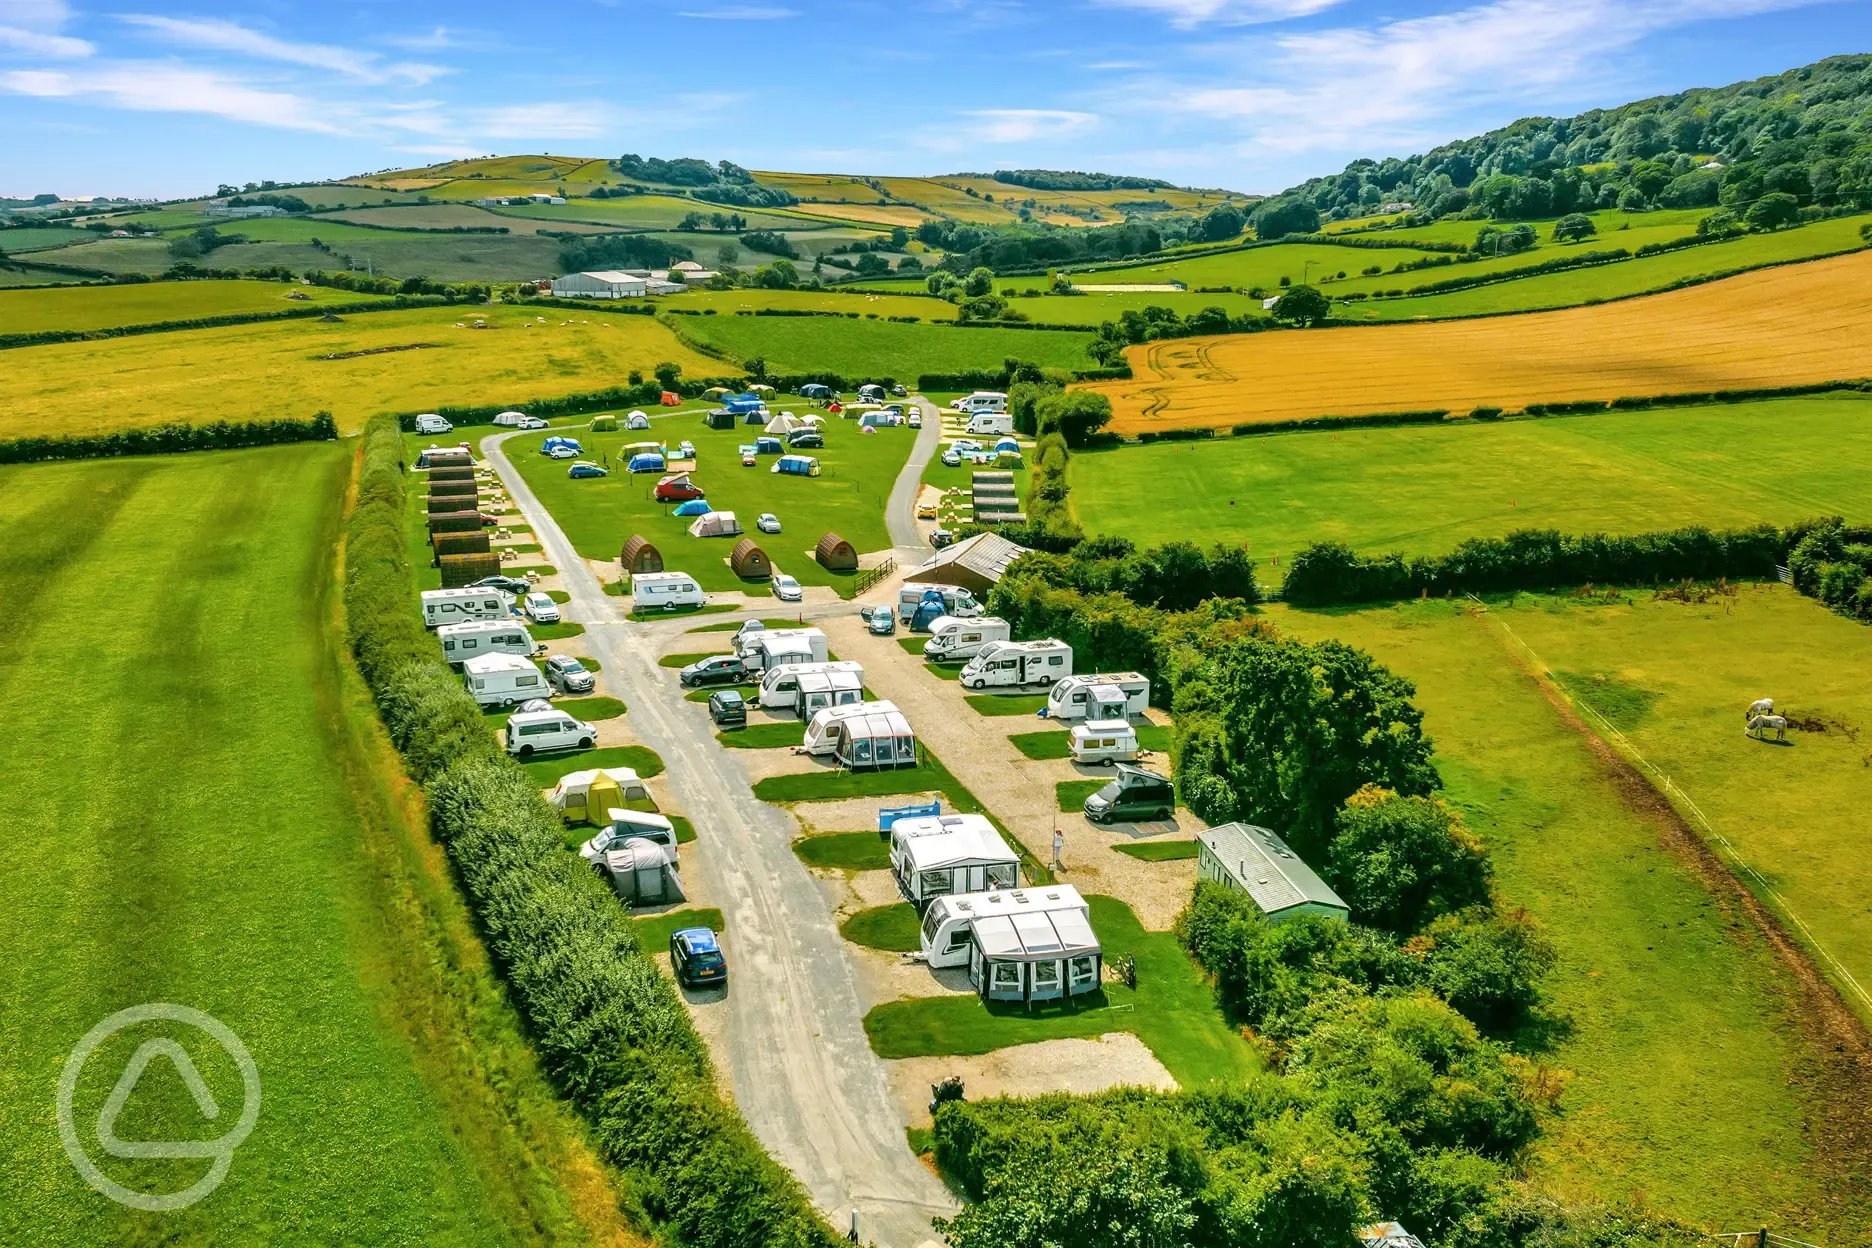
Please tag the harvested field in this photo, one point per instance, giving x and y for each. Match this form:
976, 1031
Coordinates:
1783, 326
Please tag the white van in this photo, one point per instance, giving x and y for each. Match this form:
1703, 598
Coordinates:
657, 591
956, 602
528, 732
990, 423
629, 825
822, 733
1104, 741
954, 638
1018, 663
780, 685
429, 422
469, 602
981, 401
1101, 695
503, 679
461, 642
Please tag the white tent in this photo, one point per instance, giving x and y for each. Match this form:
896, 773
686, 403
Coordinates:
758, 387
877, 739
571, 797
644, 874
715, 524
785, 423
637, 420
935, 855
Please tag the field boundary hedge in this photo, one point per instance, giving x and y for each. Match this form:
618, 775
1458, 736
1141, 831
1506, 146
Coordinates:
645, 393
47, 336
170, 439
611, 1032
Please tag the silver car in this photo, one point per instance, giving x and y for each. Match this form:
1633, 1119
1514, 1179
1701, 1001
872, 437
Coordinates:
786, 589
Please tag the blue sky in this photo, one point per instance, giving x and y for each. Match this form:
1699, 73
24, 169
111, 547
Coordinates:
151, 97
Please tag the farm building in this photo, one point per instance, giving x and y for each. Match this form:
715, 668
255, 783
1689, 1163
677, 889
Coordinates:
975, 564
1255, 861
605, 284
460, 570
749, 561
835, 554
715, 524
937, 855
587, 796
640, 556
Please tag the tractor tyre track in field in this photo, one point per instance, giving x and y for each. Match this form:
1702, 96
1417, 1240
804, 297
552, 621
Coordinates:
1835, 1056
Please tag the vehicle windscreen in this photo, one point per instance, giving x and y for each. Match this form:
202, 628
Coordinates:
1109, 793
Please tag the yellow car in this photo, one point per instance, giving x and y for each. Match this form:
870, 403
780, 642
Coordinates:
926, 511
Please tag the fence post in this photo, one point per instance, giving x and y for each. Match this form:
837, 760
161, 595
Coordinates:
1761, 1238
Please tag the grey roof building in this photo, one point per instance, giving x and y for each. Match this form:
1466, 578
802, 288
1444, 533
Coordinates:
1257, 862
975, 564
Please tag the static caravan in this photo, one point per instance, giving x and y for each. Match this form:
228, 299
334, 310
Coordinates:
503, 679
936, 856
1018, 663
954, 638
874, 741
766, 648
461, 642
656, 591
823, 729
1100, 695
1031, 944
469, 602
1099, 741
782, 687
957, 602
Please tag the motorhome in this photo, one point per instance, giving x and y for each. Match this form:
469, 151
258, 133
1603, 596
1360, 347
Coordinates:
956, 601
1098, 741
1100, 695
771, 647
461, 642
1022, 944
429, 422
661, 591
1017, 663
781, 686
990, 422
503, 679
529, 732
934, 856
981, 401
954, 638
469, 602
822, 730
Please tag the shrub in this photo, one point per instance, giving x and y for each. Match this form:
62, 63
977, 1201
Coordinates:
1401, 861
1488, 966
170, 439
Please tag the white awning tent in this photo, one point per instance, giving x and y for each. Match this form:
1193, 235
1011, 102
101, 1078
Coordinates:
715, 524
933, 856
572, 796
874, 740
1031, 944
644, 874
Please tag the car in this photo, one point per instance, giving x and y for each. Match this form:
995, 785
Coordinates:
1137, 795
696, 959
540, 609
952, 458
677, 490
940, 538
916, 419
747, 457
882, 622
585, 468
786, 589
728, 708
805, 439
899, 391
512, 584
963, 446
717, 669
566, 674
562, 452
768, 522
530, 422
685, 450
926, 511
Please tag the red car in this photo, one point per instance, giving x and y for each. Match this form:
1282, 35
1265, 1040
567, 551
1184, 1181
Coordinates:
678, 489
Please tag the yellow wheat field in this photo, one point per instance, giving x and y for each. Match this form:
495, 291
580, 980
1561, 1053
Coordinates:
1783, 326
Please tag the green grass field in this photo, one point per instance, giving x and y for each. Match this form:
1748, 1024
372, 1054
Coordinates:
219, 852
1630, 230
1172, 1011
654, 931
1159, 851
1668, 1016
1421, 489
288, 241
109, 307
728, 302
763, 736
1071, 794
845, 851
892, 928
881, 348
848, 498
928, 776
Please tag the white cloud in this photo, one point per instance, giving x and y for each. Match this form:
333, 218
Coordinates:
47, 46
741, 13
543, 120
439, 38
1025, 125
158, 87
1186, 14
216, 35
442, 151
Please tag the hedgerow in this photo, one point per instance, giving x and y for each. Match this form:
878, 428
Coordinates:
45, 336
609, 1027
170, 439
1834, 564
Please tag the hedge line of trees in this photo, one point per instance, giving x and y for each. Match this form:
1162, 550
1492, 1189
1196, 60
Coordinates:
44, 336
640, 392
608, 1026
1834, 564
171, 439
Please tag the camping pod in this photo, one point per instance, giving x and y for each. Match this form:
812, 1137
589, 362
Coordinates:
475, 543
749, 561
835, 554
445, 457
462, 472
604, 424
640, 556
469, 504
715, 524
452, 489
454, 522
460, 570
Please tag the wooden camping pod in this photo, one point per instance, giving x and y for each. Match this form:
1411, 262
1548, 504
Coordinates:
464, 472
835, 554
454, 522
452, 489
749, 561
475, 543
453, 502
458, 570
639, 555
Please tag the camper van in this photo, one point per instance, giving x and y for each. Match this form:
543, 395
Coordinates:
932, 856
658, 591
429, 422
990, 422
529, 732
630, 825
805, 688
461, 642
1017, 663
503, 679
770, 647
1025, 944
823, 729
454, 606
1134, 796
981, 401
956, 602
953, 638
1099, 741
1119, 695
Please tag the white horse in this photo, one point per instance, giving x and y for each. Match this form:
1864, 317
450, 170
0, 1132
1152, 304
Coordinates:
1760, 724
1760, 706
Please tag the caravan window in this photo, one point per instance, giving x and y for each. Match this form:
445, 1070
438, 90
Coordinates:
957, 938
1006, 977
1002, 875
933, 920
884, 754
1084, 971
525, 682
1046, 977
937, 882
1056, 660
863, 752
1079, 698
788, 685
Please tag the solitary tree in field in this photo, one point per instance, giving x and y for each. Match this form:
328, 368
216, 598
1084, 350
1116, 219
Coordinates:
667, 374
1573, 227
980, 282
1771, 212
1303, 305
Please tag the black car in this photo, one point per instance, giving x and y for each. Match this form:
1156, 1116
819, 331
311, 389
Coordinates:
568, 675
512, 584
728, 708
717, 669
805, 439
695, 956
1135, 796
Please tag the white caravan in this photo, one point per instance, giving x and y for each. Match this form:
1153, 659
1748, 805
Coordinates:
772, 647
934, 855
503, 679
658, 591
461, 642
822, 731
470, 602
788, 686
1017, 663
952, 637
1024, 944
989, 423
1100, 695
1100, 741
981, 401
529, 732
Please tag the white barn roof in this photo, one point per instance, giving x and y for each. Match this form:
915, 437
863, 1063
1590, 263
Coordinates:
1266, 869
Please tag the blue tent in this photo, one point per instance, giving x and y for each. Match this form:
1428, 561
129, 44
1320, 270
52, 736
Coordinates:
694, 507
769, 446
797, 466
649, 461
1007, 444
546, 447
739, 403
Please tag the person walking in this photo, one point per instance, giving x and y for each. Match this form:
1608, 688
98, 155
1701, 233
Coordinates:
1059, 845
